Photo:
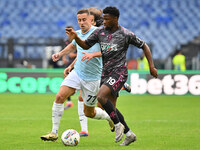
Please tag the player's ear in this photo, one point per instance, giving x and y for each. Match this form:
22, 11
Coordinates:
116, 18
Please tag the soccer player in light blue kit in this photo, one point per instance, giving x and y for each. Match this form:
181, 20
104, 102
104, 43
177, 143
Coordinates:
85, 77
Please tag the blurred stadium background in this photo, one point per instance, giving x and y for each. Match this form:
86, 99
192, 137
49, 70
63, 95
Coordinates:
34, 29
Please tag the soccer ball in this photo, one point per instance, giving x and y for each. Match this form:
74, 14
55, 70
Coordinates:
70, 137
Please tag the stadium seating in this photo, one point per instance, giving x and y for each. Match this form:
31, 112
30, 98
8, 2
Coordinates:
164, 23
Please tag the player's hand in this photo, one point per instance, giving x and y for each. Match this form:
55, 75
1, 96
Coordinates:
87, 56
67, 71
153, 72
55, 57
71, 33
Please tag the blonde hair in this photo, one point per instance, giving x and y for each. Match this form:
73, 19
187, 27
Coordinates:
97, 13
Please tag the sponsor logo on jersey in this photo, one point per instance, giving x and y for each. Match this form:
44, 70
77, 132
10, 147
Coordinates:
108, 46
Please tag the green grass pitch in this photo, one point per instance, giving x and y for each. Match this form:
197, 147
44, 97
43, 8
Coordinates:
160, 123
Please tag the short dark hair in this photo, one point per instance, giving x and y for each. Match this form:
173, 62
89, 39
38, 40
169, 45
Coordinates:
82, 11
111, 11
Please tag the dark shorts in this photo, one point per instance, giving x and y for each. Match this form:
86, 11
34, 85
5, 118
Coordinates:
114, 81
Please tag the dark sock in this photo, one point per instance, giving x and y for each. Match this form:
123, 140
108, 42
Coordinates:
109, 108
121, 118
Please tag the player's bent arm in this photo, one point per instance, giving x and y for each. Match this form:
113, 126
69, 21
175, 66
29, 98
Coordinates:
69, 48
148, 55
82, 43
64, 59
73, 35
90, 55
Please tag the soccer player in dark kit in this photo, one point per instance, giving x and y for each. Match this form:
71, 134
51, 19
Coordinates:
114, 41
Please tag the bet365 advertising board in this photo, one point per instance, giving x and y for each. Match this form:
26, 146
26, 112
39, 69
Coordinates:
169, 82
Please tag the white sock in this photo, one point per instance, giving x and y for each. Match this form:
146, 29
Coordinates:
117, 124
83, 119
57, 112
129, 133
101, 114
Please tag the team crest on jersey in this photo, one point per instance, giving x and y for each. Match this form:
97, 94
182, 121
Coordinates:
108, 46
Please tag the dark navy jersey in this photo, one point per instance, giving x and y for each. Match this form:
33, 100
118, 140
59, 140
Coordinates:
114, 47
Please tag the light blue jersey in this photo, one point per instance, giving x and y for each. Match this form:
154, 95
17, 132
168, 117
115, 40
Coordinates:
90, 71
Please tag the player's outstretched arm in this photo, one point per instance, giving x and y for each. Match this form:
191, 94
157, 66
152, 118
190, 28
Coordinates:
148, 55
69, 48
89, 56
73, 35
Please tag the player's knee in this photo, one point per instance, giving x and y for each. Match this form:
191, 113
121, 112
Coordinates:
60, 98
99, 105
99, 98
80, 98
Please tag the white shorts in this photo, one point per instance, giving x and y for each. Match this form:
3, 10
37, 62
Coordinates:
88, 89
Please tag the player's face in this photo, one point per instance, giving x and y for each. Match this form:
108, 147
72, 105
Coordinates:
84, 22
109, 21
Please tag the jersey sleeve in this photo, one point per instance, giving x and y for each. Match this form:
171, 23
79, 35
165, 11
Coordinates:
134, 40
93, 38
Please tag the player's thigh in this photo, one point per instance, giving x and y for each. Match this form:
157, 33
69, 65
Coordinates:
114, 82
72, 80
89, 111
68, 86
63, 93
104, 91
89, 91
